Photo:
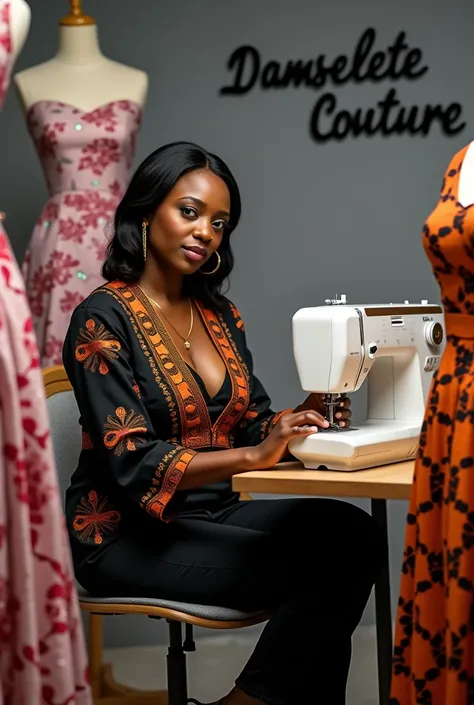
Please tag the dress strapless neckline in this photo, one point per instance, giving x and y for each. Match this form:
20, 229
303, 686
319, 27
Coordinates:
78, 109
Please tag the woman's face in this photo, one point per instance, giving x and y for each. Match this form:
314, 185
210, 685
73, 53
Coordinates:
187, 228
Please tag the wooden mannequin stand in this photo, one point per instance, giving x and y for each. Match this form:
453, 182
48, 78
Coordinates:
76, 18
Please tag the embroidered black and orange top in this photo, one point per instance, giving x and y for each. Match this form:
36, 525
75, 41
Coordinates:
145, 414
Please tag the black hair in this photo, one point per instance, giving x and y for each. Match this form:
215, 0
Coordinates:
148, 187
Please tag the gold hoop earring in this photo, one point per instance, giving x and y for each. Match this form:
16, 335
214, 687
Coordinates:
144, 227
213, 271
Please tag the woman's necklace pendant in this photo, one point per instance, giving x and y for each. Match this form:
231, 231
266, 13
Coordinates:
187, 344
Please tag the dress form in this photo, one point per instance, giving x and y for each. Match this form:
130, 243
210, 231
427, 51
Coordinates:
83, 112
434, 638
20, 20
80, 74
42, 651
15, 22
466, 178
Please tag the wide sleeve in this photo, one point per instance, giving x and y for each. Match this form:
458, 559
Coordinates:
114, 420
259, 419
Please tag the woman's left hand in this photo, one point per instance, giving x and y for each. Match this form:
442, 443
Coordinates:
342, 413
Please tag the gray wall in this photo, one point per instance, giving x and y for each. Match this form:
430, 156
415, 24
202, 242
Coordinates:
318, 219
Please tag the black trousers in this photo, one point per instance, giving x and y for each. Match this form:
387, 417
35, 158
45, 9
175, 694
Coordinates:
314, 561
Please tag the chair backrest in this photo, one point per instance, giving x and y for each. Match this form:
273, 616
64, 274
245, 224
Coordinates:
64, 421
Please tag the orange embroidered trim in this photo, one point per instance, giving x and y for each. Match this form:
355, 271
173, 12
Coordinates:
94, 518
122, 431
193, 415
96, 347
238, 318
192, 411
121, 293
136, 389
178, 461
86, 441
238, 403
250, 415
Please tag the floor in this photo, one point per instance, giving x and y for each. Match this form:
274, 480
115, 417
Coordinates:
218, 659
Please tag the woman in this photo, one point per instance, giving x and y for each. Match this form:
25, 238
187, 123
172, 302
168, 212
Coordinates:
170, 410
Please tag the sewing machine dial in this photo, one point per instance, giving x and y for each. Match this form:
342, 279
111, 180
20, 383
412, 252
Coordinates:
434, 333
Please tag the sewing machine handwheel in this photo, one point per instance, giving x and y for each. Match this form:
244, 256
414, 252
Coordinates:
434, 333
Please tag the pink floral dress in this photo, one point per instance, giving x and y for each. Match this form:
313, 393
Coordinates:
42, 652
86, 158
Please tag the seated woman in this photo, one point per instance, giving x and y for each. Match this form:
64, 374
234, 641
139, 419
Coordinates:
170, 409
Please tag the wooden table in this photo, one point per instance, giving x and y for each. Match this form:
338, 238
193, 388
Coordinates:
377, 484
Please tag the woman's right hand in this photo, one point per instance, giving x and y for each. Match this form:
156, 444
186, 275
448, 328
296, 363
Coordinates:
292, 425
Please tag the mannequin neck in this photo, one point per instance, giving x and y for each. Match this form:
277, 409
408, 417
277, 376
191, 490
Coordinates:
79, 45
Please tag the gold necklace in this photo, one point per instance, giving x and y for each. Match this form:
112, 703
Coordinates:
187, 344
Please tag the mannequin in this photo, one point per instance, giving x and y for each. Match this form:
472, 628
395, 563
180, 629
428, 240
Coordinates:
19, 25
83, 112
15, 21
466, 178
434, 639
80, 74
41, 639
20, 20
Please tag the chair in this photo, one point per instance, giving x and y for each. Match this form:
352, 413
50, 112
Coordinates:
66, 437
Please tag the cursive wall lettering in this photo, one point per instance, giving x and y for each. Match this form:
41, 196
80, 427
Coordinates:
397, 62
387, 119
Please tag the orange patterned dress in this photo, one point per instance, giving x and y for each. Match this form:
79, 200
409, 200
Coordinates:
434, 641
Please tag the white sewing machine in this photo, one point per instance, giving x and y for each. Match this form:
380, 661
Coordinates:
396, 348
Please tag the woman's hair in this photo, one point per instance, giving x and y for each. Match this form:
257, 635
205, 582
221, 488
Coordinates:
149, 186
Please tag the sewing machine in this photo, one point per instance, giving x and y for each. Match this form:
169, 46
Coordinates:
396, 348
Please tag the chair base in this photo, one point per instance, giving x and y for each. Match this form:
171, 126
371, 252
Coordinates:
108, 692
